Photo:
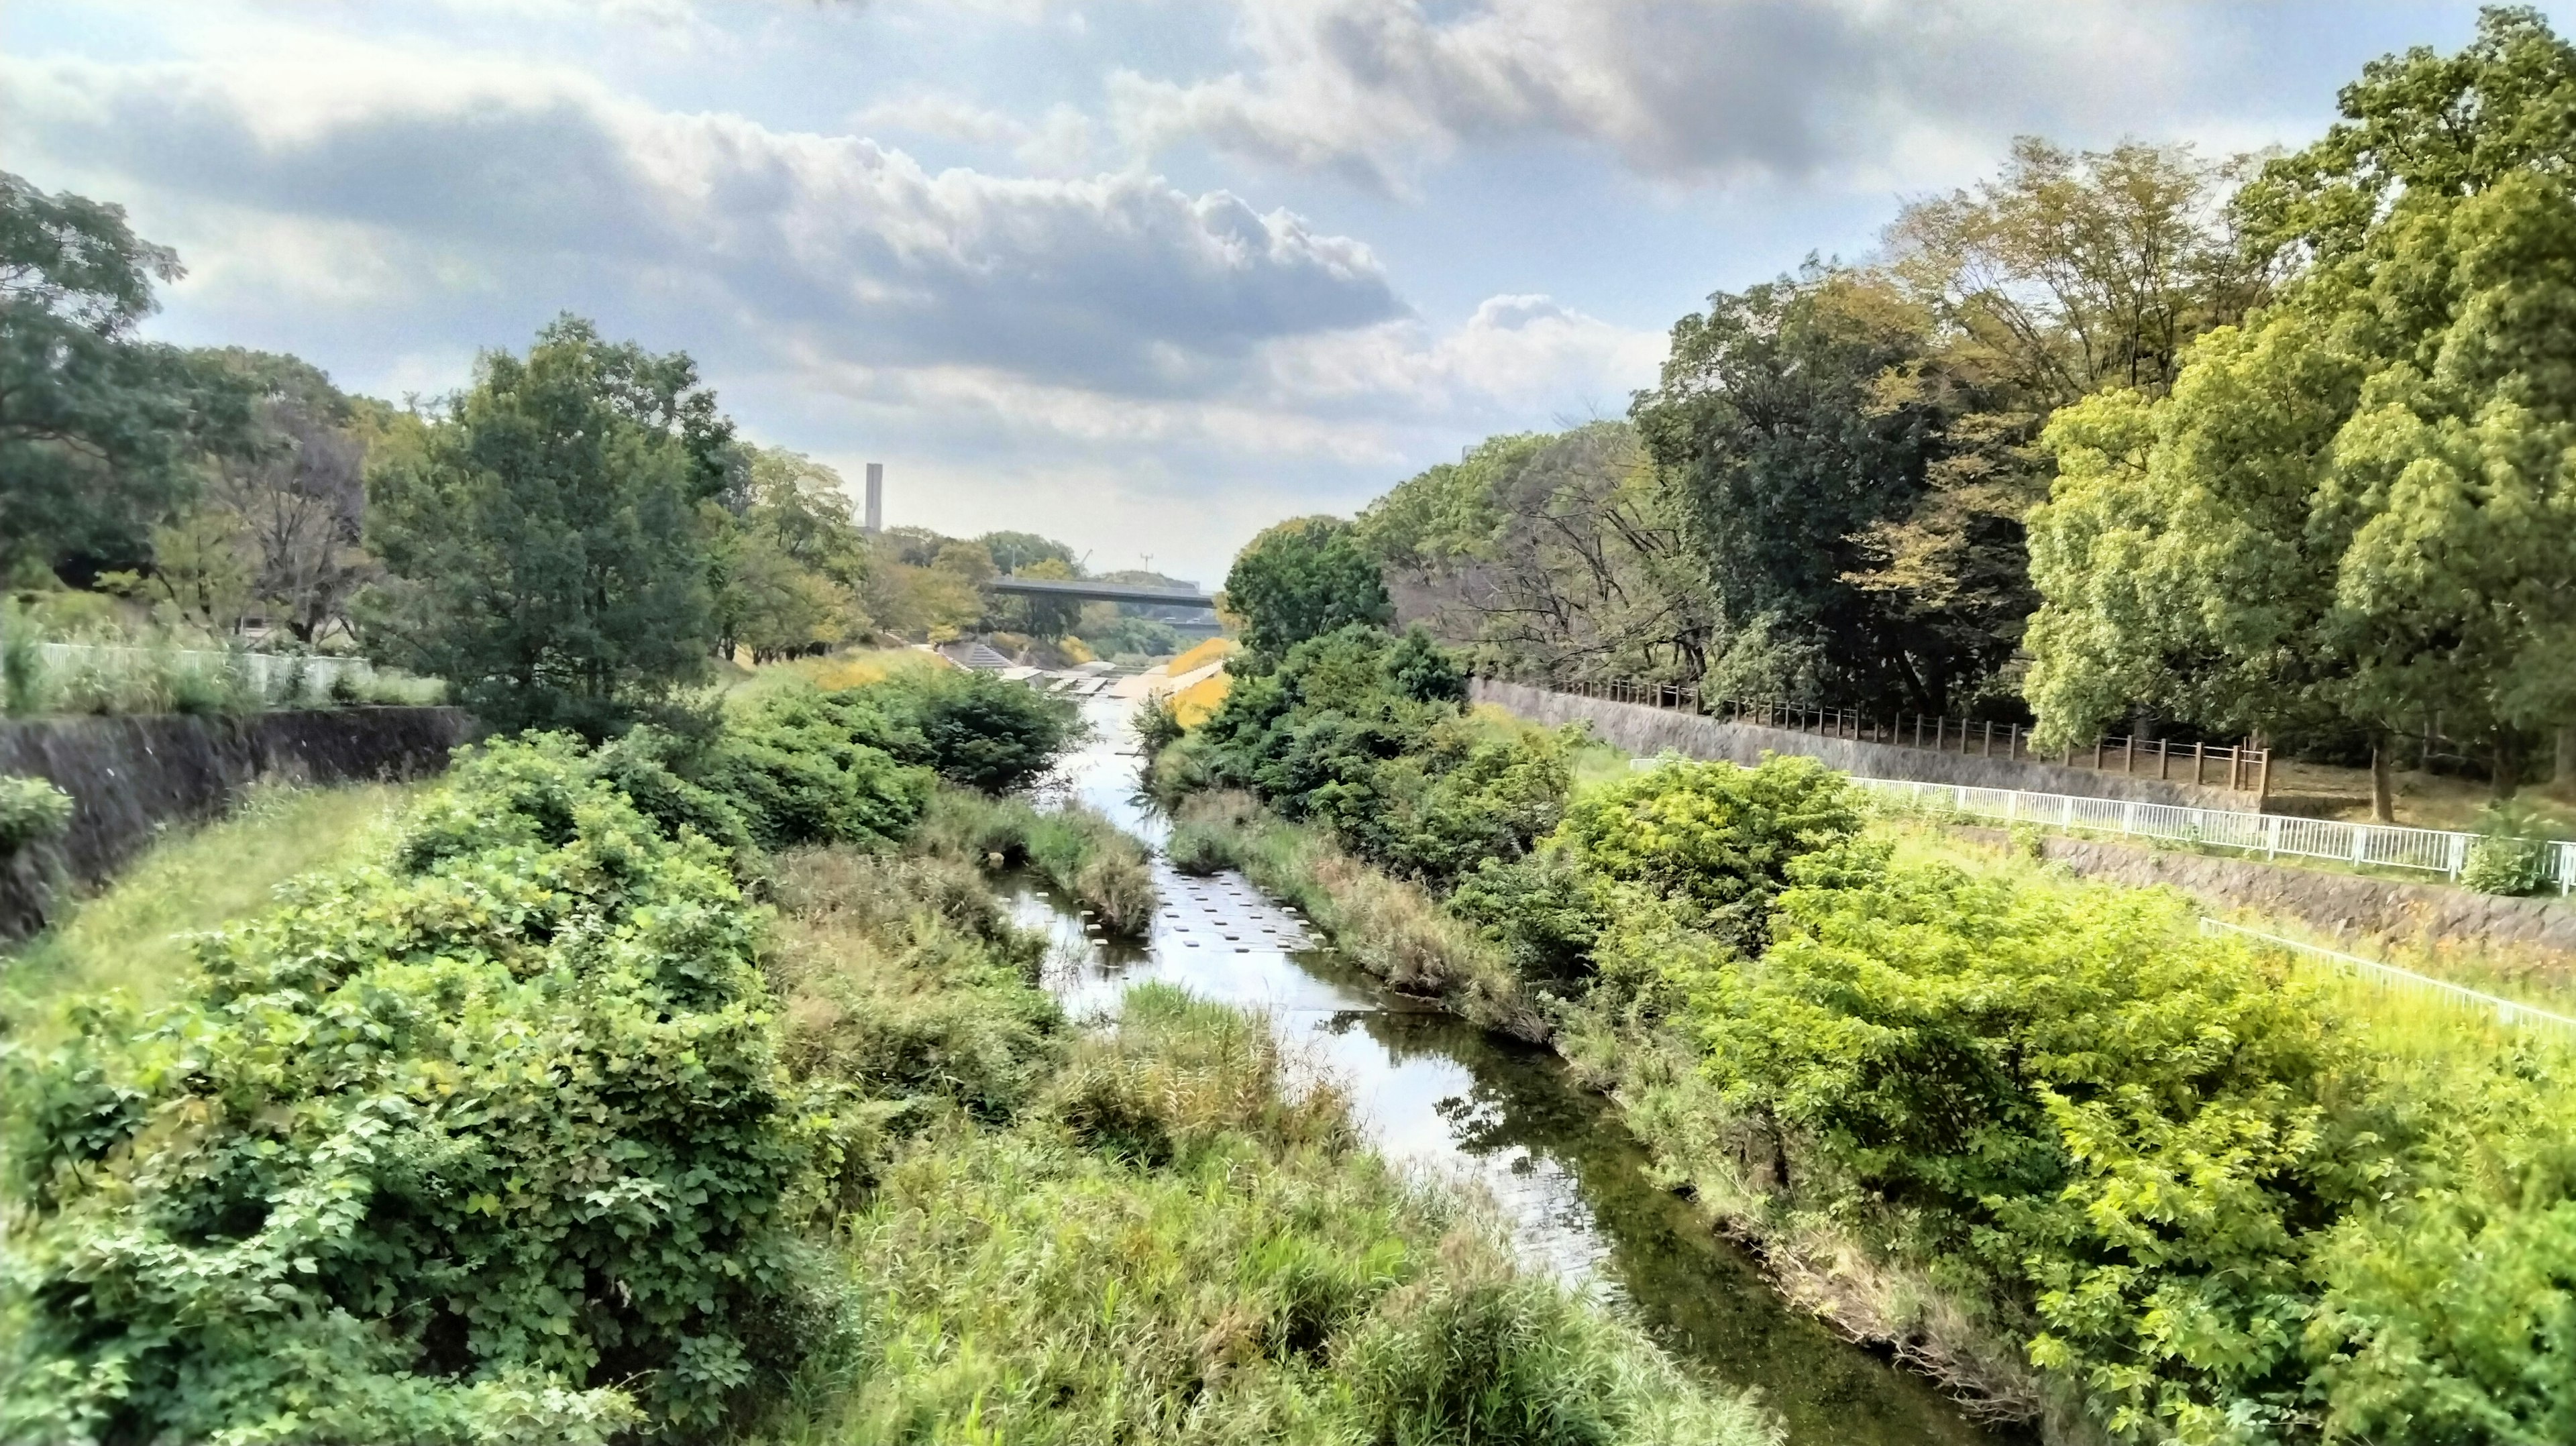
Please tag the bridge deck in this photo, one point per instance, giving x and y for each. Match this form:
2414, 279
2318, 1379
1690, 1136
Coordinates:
1102, 591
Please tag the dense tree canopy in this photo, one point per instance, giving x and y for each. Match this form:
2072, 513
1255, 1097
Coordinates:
551, 561
2361, 505
1301, 579
100, 432
1559, 554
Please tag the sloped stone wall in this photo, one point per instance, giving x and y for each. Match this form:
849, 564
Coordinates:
130, 776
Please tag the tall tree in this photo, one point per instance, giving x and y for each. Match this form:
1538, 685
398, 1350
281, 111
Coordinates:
2363, 504
1301, 579
100, 431
549, 558
1559, 554
1791, 420
789, 563
298, 495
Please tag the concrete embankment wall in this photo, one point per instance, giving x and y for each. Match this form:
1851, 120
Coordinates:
2350, 905
1644, 730
130, 776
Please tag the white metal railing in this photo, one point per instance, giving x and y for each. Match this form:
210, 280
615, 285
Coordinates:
2272, 835
2435, 851
2506, 1011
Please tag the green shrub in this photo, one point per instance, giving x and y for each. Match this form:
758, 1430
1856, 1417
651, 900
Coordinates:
1156, 722
2066, 1090
1712, 835
32, 810
1081, 853
480, 1140
972, 728
797, 771
2510, 854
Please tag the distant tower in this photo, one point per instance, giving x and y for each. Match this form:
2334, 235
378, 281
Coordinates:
876, 498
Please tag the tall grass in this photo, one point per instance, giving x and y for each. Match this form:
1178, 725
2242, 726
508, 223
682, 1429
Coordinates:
1175, 1245
1072, 847
134, 936
1393, 929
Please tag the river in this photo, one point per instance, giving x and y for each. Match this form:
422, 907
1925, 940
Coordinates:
1444, 1097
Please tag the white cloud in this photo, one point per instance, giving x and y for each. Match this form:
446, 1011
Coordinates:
1678, 89
551, 182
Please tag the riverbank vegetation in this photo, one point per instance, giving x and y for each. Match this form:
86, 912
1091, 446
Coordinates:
2145, 1184
701, 1086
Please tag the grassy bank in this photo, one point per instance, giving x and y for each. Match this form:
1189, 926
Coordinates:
1081, 853
1147, 1234
134, 935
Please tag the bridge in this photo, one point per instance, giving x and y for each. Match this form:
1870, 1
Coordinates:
1126, 592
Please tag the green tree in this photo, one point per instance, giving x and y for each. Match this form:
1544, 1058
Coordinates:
549, 559
100, 432
1792, 419
2359, 507
1301, 579
1559, 554
789, 562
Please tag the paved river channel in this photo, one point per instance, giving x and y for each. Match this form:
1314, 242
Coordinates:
1444, 1097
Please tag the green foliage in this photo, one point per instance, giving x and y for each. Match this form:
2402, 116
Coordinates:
2358, 507
478, 1139
1178, 1245
2067, 1088
1715, 835
1790, 446
2510, 854
32, 811
973, 728
550, 557
99, 430
1555, 555
788, 562
1362, 734
1081, 853
802, 766
1302, 579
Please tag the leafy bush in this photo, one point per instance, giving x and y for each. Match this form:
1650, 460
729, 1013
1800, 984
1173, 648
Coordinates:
2065, 1089
31, 811
1715, 836
479, 1140
1362, 733
795, 765
971, 728
2510, 854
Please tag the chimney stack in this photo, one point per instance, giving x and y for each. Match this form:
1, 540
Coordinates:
876, 498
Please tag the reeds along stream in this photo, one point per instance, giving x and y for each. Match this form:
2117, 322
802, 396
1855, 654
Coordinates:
1438, 1094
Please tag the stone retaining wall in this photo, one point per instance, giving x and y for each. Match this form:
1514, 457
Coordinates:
130, 776
1643, 730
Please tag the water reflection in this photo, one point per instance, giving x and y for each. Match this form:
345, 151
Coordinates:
1440, 1096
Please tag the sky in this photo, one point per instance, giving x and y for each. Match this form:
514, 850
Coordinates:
1146, 277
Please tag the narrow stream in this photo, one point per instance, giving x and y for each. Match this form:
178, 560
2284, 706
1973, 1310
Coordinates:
1442, 1096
